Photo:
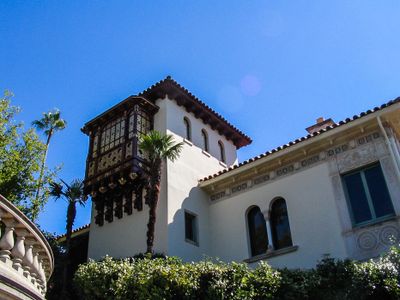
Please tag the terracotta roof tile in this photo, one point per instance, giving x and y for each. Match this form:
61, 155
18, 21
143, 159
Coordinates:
304, 138
238, 137
73, 231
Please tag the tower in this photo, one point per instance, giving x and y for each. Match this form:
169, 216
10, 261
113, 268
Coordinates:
116, 171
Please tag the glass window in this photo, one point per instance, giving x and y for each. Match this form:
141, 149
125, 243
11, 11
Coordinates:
143, 124
257, 231
205, 139
191, 227
368, 195
221, 151
110, 136
281, 236
187, 128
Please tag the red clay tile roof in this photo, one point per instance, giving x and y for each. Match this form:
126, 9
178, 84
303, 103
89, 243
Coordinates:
174, 90
304, 138
73, 231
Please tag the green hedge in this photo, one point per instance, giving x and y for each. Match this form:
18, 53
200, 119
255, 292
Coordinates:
169, 278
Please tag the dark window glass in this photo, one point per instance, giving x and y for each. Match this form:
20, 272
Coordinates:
205, 140
368, 195
222, 151
188, 130
281, 236
378, 191
143, 123
358, 198
190, 227
257, 231
112, 134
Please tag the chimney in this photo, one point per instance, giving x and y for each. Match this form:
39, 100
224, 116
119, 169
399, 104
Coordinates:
321, 124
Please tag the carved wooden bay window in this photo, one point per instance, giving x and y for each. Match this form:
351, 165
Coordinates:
116, 168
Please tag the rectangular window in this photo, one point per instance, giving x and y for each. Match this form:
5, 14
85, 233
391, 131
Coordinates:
112, 135
191, 234
368, 195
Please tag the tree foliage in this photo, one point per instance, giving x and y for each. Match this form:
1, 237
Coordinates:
21, 153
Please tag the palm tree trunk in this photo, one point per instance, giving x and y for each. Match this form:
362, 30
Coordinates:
152, 195
35, 204
71, 213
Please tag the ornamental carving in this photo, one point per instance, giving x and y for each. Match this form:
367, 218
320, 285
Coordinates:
388, 235
367, 241
345, 160
373, 240
116, 171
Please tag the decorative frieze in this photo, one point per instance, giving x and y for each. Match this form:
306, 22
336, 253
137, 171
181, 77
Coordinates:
297, 166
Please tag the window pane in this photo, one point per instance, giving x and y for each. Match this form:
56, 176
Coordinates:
190, 227
280, 225
357, 197
378, 191
257, 231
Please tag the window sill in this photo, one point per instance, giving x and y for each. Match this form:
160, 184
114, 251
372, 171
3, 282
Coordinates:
192, 242
206, 153
188, 142
375, 222
271, 253
223, 164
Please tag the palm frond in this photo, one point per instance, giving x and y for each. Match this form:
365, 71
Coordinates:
38, 124
160, 146
56, 190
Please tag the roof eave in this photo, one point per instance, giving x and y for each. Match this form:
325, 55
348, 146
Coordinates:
296, 147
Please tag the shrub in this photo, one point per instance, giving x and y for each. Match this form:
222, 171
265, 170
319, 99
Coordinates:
169, 278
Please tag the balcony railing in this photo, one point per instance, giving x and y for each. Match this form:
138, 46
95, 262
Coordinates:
26, 259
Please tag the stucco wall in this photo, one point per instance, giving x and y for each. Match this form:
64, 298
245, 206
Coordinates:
179, 191
127, 236
313, 218
183, 176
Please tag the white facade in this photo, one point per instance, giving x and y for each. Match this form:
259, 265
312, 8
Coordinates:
308, 175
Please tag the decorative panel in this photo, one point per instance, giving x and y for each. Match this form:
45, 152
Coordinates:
110, 159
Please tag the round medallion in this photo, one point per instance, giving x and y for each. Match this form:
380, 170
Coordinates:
389, 235
367, 241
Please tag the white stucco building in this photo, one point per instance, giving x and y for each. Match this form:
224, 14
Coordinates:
335, 191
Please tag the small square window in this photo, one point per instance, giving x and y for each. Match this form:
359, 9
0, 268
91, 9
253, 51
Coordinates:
191, 233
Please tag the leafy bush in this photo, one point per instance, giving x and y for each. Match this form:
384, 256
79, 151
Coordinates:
169, 278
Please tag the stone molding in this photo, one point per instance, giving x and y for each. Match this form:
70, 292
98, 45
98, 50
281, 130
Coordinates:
297, 166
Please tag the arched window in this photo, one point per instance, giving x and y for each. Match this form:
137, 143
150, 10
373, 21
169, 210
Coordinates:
205, 139
221, 151
257, 231
281, 236
187, 128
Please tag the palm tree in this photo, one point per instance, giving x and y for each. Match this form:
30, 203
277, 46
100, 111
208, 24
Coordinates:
74, 194
158, 147
50, 123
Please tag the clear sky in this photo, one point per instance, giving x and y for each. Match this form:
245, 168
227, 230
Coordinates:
270, 67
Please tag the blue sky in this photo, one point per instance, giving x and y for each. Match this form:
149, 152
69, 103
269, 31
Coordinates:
270, 67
